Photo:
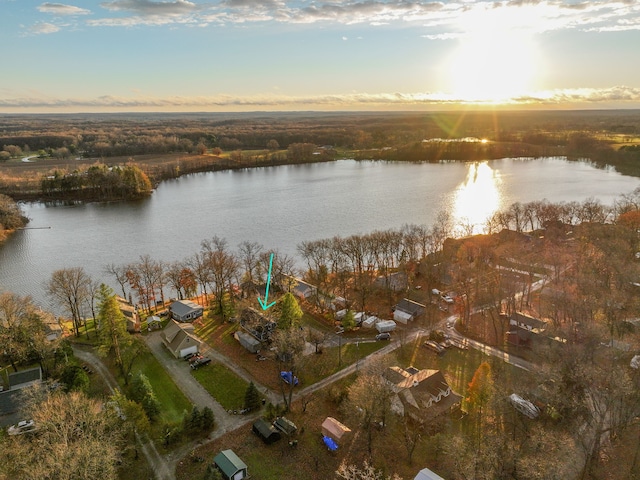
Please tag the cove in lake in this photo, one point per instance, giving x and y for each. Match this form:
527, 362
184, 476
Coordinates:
281, 206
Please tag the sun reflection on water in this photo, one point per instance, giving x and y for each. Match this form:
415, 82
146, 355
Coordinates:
476, 199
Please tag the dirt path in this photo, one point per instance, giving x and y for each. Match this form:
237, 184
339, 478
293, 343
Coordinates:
160, 467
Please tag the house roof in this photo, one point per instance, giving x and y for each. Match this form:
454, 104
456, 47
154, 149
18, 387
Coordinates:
266, 430
333, 428
184, 307
173, 328
426, 474
16, 379
285, 425
126, 308
527, 320
10, 402
416, 388
229, 462
409, 306
181, 340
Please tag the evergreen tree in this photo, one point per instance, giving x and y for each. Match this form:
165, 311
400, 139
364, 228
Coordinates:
349, 321
142, 392
290, 312
112, 334
252, 398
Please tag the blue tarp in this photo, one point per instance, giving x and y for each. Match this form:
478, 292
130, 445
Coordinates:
330, 443
286, 376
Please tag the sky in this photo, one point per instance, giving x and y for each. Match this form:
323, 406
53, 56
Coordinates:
322, 55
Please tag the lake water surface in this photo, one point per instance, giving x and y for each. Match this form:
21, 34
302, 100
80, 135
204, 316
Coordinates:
281, 206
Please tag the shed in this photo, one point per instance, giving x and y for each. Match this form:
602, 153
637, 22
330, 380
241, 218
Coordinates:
370, 322
426, 474
285, 425
153, 322
402, 317
247, 341
230, 465
332, 428
340, 314
267, 432
385, 326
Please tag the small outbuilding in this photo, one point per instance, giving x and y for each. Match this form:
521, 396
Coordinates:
332, 428
285, 425
385, 326
247, 341
230, 465
426, 474
267, 432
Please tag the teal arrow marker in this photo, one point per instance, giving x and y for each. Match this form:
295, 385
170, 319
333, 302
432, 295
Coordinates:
264, 304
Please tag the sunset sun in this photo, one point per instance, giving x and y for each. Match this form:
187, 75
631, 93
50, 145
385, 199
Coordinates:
495, 61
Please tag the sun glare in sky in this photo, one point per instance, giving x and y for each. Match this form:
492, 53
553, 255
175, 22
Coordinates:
496, 59
477, 198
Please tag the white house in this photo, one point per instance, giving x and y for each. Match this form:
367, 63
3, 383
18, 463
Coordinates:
179, 339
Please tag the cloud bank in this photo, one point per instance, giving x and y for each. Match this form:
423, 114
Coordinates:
586, 97
440, 19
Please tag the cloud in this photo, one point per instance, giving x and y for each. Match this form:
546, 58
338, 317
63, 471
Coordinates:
585, 97
147, 7
43, 28
439, 19
61, 9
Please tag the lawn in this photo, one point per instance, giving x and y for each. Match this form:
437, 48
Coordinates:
314, 368
225, 386
173, 401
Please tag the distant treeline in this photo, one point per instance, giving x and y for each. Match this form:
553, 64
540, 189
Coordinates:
510, 133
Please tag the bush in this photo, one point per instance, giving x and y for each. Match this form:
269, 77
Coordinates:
74, 379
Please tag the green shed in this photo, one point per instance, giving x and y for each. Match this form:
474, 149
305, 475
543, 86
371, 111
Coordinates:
230, 465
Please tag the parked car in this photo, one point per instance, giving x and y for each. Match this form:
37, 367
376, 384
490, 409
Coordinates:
195, 358
287, 378
23, 426
383, 336
339, 330
446, 298
188, 356
435, 291
434, 346
200, 363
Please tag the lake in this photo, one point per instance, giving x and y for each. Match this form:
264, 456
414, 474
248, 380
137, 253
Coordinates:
281, 206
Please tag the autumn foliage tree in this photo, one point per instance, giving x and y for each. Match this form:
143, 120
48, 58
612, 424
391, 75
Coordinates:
76, 438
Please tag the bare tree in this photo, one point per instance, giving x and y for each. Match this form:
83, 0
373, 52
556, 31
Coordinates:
250, 256
69, 287
119, 272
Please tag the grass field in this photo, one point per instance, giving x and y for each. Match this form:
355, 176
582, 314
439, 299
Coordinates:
225, 386
173, 401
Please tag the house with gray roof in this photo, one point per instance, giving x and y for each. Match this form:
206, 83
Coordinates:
25, 378
185, 310
407, 309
